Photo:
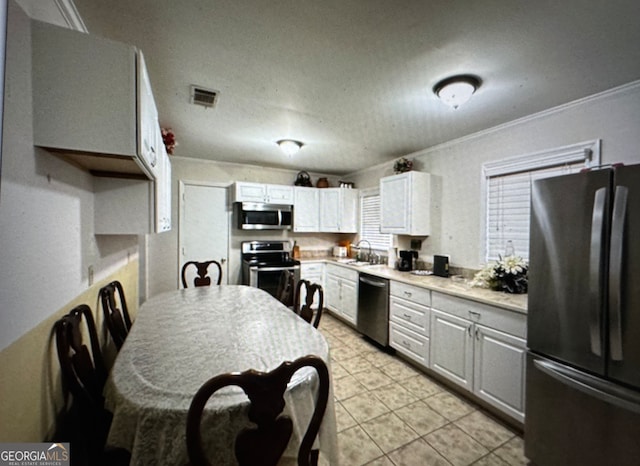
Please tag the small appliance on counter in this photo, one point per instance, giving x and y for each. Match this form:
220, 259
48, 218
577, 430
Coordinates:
406, 260
441, 266
339, 251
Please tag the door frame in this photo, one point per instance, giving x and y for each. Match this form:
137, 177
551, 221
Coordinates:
181, 210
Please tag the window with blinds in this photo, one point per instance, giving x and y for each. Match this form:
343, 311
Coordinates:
508, 192
370, 221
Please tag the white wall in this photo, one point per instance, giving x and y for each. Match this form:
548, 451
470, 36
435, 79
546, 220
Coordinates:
46, 211
457, 203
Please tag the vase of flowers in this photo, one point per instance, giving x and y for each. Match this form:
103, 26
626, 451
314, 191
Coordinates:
402, 165
509, 274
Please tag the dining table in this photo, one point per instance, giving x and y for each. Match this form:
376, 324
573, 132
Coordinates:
182, 338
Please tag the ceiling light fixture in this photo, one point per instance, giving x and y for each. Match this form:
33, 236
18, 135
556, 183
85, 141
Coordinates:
289, 146
456, 90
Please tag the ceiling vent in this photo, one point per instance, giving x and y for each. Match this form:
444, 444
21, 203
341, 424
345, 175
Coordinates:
205, 97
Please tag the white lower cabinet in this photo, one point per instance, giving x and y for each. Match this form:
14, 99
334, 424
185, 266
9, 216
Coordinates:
341, 292
409, 321
480, 348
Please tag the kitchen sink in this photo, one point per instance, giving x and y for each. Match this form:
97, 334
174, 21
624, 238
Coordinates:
355, 262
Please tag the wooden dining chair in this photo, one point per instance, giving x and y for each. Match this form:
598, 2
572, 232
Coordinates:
286, 287
202, 269
307, 310
117, 318
264, 444
85, 423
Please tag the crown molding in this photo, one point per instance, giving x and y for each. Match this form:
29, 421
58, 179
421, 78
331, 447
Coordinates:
59, 12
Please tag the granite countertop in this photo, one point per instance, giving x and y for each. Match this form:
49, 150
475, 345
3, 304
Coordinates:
453, 286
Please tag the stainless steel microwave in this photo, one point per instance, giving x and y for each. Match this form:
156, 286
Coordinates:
259, 216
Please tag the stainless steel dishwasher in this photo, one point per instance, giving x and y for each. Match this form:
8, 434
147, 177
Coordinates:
373, 308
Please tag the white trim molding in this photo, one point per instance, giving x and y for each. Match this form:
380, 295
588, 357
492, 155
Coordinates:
59, 12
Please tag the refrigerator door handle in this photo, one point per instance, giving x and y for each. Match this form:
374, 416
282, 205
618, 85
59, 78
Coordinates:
615, 272
604, 391
595, 270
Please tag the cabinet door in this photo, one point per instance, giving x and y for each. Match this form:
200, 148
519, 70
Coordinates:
279, 194
395, 196
329, 210
250, 192
149, 134
349, 202
332, 293
499, 370
306, 213
163, 192
452, 348
349, 300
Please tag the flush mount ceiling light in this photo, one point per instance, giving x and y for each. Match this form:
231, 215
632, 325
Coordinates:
289, 146
456, 90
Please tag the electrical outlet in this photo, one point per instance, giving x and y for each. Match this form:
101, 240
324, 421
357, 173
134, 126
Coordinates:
90, 275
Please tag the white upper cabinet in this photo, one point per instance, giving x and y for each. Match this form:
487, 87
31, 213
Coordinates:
330, 210
339, 210
405, 202
245, 191
92, 101
306, 209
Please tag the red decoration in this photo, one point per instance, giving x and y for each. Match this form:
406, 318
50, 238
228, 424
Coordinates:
169, 140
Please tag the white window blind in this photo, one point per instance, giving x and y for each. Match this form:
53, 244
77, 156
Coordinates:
508, 188
370, 222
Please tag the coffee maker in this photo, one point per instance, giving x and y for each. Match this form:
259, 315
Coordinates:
406, 260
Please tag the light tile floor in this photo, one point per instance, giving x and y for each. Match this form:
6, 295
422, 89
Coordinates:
390, 413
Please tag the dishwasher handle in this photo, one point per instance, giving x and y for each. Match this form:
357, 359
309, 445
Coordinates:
368, 281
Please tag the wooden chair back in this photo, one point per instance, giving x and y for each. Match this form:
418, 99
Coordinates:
85, 424
83, 372
202, 269
117, 318
265, 443
286, 287
307, 310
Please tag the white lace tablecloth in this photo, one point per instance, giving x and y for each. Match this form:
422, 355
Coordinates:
179, 340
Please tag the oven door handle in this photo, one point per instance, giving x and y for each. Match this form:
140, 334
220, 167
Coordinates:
274, 269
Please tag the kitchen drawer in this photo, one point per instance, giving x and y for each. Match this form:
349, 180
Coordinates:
342, 272
409, 343
312, 268
410, 292
409, 314
505, 320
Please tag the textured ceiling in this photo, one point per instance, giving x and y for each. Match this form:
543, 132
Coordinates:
352, 79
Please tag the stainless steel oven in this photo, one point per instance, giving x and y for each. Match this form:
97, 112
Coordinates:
264, 261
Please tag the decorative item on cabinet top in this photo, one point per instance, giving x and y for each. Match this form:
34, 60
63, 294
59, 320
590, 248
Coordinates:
402, 165
322, 183
303, 179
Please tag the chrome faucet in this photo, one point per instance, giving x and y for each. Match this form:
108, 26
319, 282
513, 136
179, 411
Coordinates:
357, 246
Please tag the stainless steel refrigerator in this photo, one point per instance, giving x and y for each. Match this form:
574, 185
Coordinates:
583, 324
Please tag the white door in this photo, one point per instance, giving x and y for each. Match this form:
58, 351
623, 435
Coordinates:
204, 225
